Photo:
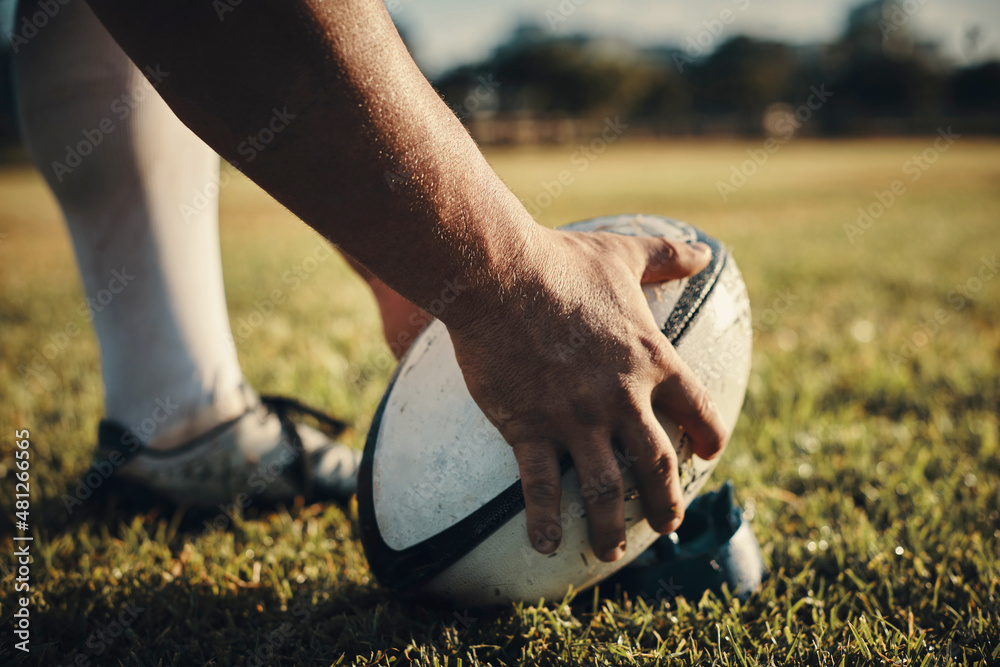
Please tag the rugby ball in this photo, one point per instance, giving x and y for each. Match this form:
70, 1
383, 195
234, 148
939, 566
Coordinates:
439, 495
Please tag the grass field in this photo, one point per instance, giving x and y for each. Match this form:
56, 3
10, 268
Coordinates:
867, 453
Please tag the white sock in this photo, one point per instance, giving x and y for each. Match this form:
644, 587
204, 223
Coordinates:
151, 269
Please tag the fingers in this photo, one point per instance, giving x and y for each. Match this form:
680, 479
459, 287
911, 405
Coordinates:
683, 398
655, 471
541, 481
603, 493
659, 259
601, 486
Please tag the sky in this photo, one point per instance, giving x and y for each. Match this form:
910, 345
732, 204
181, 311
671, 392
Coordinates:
445, 33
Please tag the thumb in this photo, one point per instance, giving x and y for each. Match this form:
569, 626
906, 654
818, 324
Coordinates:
671, 260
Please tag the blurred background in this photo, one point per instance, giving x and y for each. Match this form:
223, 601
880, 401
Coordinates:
526, 72
538, 71
845, 151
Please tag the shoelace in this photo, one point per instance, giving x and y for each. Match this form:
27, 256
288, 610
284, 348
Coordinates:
332, 427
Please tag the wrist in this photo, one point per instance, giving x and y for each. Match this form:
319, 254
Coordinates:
498, 268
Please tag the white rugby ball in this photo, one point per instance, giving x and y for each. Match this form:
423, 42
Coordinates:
439, 494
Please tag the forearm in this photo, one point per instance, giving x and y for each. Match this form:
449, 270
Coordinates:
371, 158
363, 149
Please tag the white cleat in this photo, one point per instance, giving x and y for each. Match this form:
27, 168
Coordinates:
262, 456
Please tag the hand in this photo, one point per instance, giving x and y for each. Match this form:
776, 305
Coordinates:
573, 362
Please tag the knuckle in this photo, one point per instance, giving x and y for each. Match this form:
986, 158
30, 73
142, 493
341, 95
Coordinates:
606, 493
541, 492
519, 432
702, 402
666, 254
611, 242
711, 435
663, 466
634, 402
661, 352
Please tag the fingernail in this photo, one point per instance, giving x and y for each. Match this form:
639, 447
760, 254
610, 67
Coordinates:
544, 545
615, 553
701, 248
675, 523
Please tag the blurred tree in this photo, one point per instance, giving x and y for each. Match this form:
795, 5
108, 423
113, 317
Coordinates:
881, 76
975, 91
742, 77
668, 97
879, 70
577, 76
8, 109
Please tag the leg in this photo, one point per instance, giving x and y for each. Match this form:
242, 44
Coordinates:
122, 166
401, 320
125, 172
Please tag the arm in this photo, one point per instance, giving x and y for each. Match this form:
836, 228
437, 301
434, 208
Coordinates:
344, 107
